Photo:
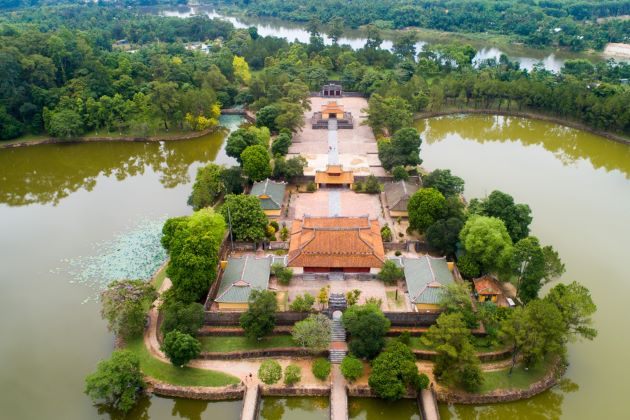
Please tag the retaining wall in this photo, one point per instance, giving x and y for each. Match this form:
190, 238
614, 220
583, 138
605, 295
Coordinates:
232, 318
262, 353
233, 392
286, 391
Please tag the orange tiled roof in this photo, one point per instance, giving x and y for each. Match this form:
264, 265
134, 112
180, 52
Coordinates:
332, 107
336, 242
487, 285
334, 174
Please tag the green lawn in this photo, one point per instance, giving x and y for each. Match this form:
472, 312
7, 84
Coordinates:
159, 279
520, 378
237, 343
481, 345
168, 373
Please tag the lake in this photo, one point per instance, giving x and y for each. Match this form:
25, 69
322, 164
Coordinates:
61, 205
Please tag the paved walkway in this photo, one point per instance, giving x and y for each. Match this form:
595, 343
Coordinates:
430, 409
250, 401
338, 395
334, 203
333, 146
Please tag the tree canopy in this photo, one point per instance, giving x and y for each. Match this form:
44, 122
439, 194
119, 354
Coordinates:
312, 332
246, 217
260, 317
445, 182
516, 217
426, 206
367, 327
256, 163
393, 371
403, 149
487, 241
125, 305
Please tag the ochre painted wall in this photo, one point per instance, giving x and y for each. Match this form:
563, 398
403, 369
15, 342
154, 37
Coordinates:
272, 213
233, 306
398, 213
423, 307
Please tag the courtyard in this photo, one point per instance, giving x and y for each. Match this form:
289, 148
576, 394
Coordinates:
335, 202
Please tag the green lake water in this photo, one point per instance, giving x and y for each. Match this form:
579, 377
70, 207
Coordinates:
67, 202
294, 408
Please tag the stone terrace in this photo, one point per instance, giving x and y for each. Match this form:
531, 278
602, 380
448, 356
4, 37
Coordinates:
357, 147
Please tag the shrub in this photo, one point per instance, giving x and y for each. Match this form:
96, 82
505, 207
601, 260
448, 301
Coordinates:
358, 186
374, 301
321, 368
390, 273
270, 372
386, 234
397, 253
399, 173
393, 370
284, 233
372, 185
260, 318
311, 186
312, 332
352, 297
405, 337
180, 348
303, 303
292, 374
282, 273
275, 225
351, 368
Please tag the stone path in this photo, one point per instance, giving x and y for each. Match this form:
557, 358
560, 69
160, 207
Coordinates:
250, 402
334, 203
333, 146
338, 395
430, 409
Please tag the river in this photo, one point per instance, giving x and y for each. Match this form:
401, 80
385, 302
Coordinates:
64, 203
527, 57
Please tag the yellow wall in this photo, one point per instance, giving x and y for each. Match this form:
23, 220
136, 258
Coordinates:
423, 307
487, 298
394, 213
233, 306
272, 212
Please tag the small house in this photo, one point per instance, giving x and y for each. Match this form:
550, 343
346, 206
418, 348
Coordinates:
397, 195
271, 196
240, 277
425, 278
334, 176
488, 289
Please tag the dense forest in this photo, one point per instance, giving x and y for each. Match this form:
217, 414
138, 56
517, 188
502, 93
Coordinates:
65, 74
576, 24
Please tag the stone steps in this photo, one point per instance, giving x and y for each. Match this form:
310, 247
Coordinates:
336, 356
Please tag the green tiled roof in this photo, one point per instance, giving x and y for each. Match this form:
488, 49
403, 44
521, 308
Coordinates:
425, 277
272, 189
241, 276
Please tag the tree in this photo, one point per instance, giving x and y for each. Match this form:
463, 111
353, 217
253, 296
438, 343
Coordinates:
270, 372
528, 262
393, 371
576, 307
445, 182
256, 163
260, 318
266, 117
404, 45
426, 206
487, 241
517, 217
367, 327
302, 303
386, 233
390, 273
240, 140
321, 368
281, 144
313, 332
64, 124
443, 235
292, 375
208, 187
125, 304
402, 150
468, 266
371, 185
290, 168
180, 348
533, 332
455, 298
335, 29
9, 126
351, 368
247, 219
322, 297
400, 173
352, 296
391, 112
282, 273
165, 101
241, 70
291, 116
193, 244
186, 318
233, 180
456, 361
118, 381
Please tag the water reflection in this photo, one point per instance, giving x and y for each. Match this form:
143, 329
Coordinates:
298, 408
376, 409
47, 174
166, 408
567, 144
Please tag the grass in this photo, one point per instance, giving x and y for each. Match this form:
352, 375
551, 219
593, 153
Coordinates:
159, 278
392, 303
168, 373
238, 343
520, 378
481, 345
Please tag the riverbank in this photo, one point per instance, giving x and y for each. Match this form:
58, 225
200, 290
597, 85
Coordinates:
36, 141
525, 114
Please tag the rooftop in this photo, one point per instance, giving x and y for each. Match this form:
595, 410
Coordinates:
398, 193
241, 276
334, 174
425, 276
270, 193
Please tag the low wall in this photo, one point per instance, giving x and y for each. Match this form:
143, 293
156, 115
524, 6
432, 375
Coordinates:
273, 245
263, 353
411, 319
233, 318
287, 391
484, 357
395, 246
234, 392
245, 246
237, 331
502, 395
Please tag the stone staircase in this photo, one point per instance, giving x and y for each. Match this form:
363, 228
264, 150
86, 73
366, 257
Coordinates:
338, 348
337, 302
